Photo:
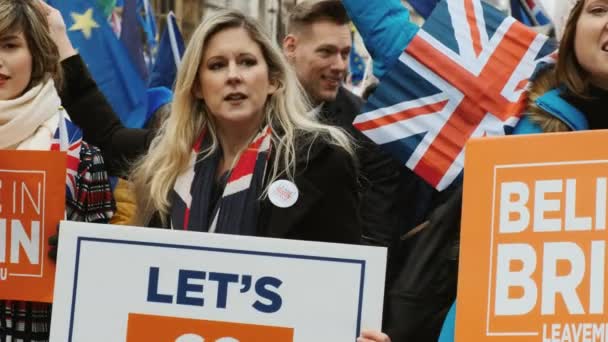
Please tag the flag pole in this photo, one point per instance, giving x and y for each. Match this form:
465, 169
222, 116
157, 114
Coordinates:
172, 39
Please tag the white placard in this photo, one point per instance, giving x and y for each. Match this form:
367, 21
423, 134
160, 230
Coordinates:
112, 280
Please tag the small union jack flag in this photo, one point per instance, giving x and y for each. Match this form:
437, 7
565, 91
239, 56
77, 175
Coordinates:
530, 12
68, 138
463, 75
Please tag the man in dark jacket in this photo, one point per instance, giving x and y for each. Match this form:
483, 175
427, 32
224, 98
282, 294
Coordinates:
318, 45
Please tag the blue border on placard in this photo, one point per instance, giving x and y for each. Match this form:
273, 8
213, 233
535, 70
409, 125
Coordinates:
211, 249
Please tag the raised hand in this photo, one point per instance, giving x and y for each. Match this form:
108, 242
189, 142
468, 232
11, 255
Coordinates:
57, 30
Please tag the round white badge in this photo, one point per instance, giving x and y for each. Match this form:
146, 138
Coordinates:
283, 193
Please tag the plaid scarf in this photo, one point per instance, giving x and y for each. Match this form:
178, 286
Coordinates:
236, 211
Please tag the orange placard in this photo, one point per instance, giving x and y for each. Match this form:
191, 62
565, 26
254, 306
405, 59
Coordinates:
169, 329
32, 202
533, 239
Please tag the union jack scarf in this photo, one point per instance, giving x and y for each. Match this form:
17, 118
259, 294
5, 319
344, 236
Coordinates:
236, 211
68, 138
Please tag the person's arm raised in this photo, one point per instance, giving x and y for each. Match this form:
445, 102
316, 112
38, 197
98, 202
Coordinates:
385, 27
89, 109
58, 31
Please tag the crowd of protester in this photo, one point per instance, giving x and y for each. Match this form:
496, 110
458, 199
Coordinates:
239, 97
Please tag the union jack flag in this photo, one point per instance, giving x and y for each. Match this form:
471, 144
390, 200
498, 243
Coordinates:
463, 75
529, 12
68, 138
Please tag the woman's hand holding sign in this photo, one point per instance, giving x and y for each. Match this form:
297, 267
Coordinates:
373, 336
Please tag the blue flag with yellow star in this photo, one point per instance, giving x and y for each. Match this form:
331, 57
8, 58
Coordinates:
356, 65
106, 57
170, 52
130, 37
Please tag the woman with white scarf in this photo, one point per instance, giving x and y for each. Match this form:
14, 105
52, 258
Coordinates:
31, 118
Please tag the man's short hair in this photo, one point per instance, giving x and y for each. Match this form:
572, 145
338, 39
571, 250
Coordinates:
311, 11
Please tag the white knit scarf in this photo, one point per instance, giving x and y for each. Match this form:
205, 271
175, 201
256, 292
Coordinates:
29, 121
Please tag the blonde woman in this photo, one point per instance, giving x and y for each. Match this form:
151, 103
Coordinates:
239, 153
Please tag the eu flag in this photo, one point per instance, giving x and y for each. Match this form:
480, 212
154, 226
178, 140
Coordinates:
106, 58
170, 52
357, 66
130, 37
148, 22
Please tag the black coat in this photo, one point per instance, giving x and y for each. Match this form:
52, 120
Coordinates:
425, 288
327, 206
394, 199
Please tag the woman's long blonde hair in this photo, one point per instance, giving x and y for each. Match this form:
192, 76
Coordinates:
286, 111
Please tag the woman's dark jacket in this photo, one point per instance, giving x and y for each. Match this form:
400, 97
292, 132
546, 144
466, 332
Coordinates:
326, 209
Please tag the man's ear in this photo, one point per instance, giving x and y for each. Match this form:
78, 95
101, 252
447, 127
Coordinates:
274, 86
290, 42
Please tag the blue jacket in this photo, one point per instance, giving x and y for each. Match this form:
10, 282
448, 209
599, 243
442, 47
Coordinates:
557, 107
386, 30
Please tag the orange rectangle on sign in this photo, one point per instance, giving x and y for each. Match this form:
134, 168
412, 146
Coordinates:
170, 329
533, 239
32, 202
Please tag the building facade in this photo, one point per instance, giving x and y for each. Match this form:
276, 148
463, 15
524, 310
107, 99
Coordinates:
189, 13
